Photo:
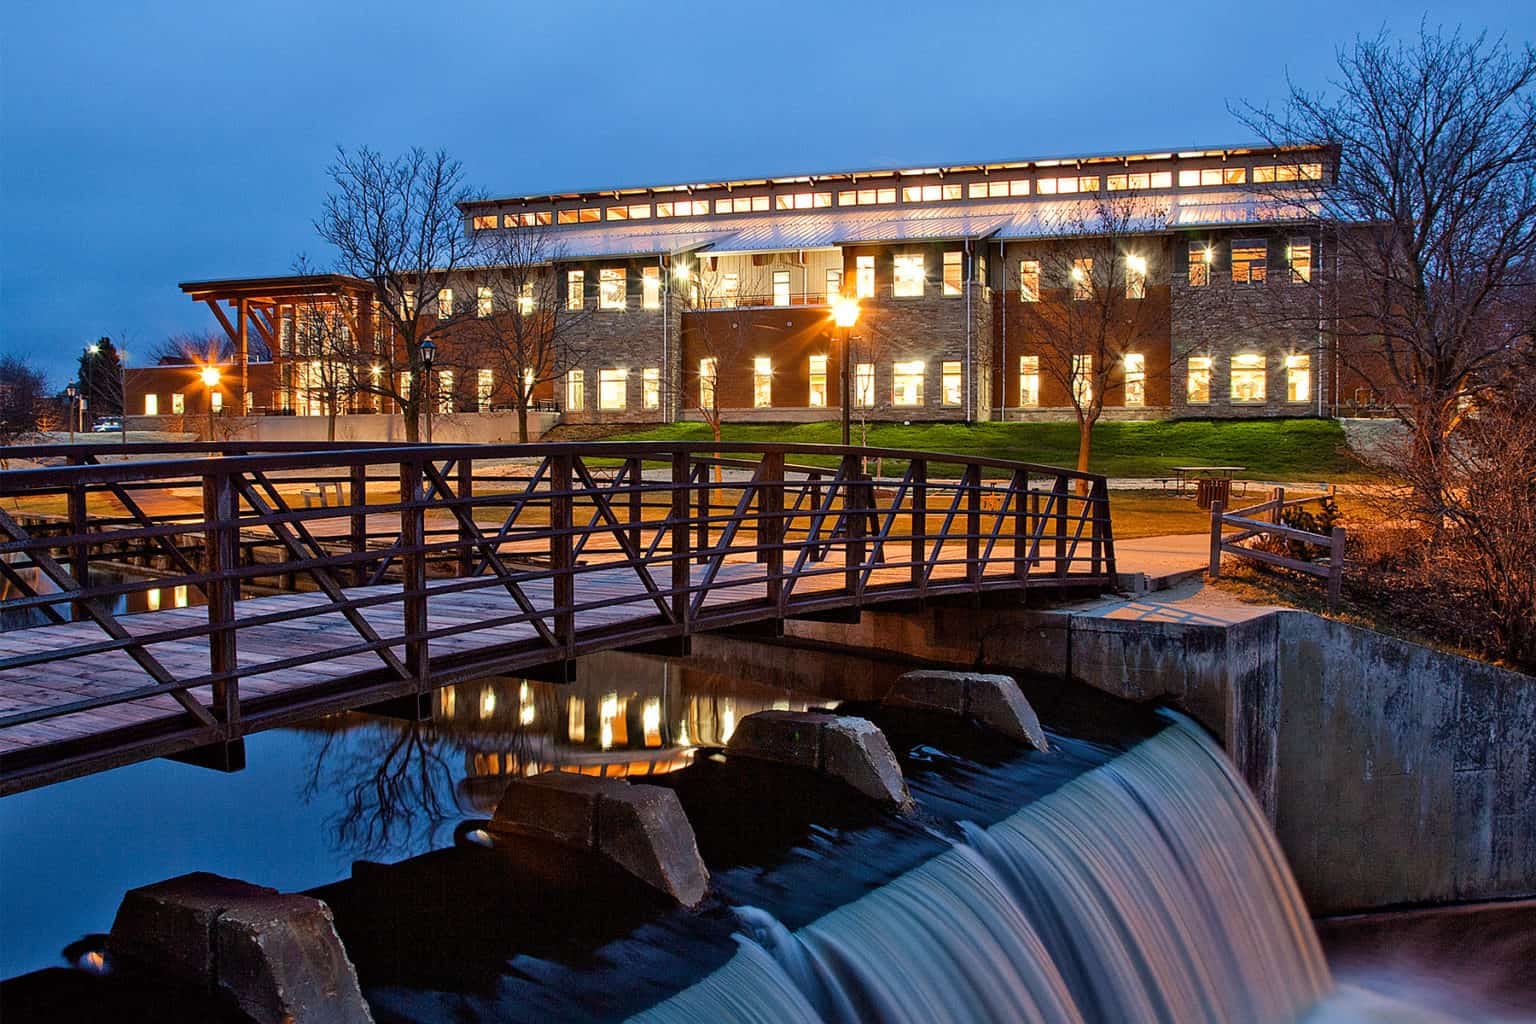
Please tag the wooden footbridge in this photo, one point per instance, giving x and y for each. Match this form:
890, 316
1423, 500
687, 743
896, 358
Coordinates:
315, 581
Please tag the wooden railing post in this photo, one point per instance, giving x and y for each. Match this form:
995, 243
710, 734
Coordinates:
919, 566
702, 544
814, 482
1059, 499
853, 524
1103, 532
221, 550
413, 571
1020, 494
636, 470
1277, 495
357, 499
1336, 569
678, 521
561, 558
770, 525
1216, 512
466, 487
971, 480
79, 551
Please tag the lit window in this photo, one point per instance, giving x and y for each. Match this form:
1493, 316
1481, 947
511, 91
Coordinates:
909, 277
151, 405
575, 289
445, 395
1082, 279
1029, 280
1188, 179
951, 381
565, 216
976, 190
1310, 172
178, 403
730, 288
485, 385
575, 391
217, 401
611, 288
483, 302
1082, 380
907, 383
1200, 257
663, 209
650, 287
1264, 174
1198, 389
444, 303
591, 214
781, 287
1247, 378
408, 303
484, 222
886, 195
834, 285
611, 388
1211, 176
1135, 277
1287, 172
762, 382
1298, 378
951, 192
822, 199
1299, 252
707, 374
525, 298
528, 381
1135, 379
1248, 261
650, 387
953, 272
1029, 380
864, 277
818, 376
864, 385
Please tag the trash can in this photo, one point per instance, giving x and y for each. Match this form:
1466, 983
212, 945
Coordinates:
1213, 489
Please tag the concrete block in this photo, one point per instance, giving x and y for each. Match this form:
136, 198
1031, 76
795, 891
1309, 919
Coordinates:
281, 960
993, 700
555, 805
168, 927
841, 747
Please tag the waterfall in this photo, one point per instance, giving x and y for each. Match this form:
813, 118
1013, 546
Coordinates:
1148, 889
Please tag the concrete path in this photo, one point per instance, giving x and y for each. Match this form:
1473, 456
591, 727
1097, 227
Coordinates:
1164, 561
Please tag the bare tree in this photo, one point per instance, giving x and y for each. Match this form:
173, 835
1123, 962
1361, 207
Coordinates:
1433, 214
1088, 300
523, 328
725, 339
25, 407
207, 347
396, 223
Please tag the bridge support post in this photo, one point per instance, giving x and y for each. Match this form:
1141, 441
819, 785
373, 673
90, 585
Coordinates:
221, 552
561, 557
770, 527
972, 484
1020, 495
357, 498
413, 571
681, 571
1059, 501
919, 559
853, 524
466, 485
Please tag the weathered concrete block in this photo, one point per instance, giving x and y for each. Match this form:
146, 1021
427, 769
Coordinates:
993, 700
842, 747
169, 926
642, 829
282, 961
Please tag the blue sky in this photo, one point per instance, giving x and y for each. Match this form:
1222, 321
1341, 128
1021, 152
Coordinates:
149, 143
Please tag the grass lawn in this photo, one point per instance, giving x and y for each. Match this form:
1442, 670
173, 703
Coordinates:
1301, 450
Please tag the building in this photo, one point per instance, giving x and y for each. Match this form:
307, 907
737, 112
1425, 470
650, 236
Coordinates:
688, 301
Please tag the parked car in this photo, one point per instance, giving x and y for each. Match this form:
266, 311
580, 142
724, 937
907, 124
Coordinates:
108, 424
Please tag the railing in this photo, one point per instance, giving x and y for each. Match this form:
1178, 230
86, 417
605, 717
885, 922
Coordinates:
1249, 524
441, 564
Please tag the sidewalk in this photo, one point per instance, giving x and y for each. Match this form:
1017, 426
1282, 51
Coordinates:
1163, 561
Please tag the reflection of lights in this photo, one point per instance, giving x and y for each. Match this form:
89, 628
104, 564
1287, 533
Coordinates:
479, 836
576, 720
524, 704
607, 711
179, 596
682, 733
781, 705
487, 702
727, 719
447, 699
152, 599
93, 962
650, 722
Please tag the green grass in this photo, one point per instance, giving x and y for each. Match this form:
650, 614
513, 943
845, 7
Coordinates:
1299, 450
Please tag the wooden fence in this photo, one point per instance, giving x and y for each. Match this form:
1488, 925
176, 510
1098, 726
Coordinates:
1265, 520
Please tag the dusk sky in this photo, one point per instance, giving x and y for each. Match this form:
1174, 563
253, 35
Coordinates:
149, 143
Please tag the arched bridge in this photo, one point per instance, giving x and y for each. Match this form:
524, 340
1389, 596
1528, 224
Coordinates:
167, 600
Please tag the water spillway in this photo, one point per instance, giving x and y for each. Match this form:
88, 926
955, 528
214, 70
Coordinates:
1147, 889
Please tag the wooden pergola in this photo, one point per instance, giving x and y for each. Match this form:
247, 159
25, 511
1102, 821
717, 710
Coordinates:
258, 304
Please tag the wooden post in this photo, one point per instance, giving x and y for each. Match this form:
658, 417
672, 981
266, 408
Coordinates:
413, 572
1059, 499
814, 480
242, 346
79, 551
1216, 511
770, 526
1105, 531
919, 566
971, 480
561, 557
357, 499
466, 485
702, 545
678, 520
1277, 495
853, 525
1018, 490
1336, 570
636, 468
221, 551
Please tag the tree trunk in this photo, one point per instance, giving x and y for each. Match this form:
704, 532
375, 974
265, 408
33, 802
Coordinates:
412, 416
330, 425
1084, 449
522, 419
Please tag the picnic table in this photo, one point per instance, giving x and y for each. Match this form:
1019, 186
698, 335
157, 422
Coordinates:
1212, 483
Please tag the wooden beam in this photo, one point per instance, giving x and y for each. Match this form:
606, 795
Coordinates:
229, 328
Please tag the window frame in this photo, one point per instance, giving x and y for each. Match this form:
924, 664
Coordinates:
1029, 370
575, 390
908, 371
608, 280
1029, 280
1240, 363
1205, 368
953, 285
909, 275
951, 383
612, 381
575, 289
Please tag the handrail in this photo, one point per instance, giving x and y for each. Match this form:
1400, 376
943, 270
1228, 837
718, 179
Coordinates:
1249, 528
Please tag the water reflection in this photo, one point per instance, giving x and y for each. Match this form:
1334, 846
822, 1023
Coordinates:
150, 599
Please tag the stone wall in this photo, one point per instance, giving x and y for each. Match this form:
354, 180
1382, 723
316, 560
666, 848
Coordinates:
454, 428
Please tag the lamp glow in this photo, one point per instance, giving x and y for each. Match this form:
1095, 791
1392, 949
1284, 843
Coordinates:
210, 376
845, 312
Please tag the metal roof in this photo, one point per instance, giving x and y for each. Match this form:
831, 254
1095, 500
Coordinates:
1234, 209
612, 241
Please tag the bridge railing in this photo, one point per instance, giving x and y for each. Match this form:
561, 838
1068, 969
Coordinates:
388, 570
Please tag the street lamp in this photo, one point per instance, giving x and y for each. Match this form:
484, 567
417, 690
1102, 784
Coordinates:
210, 377
428, 353
845, 313
71, 391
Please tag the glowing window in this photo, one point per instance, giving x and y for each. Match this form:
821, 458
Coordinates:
612, 388
781, 287
1298, 378
178, 404
1299, 252
650, 287
908, 276
1029, 280
1135, 277
611, 288
864, 385
650, 387
485, 386
1029, 380
575, 391
1135, 379
1197, 390
907, 383
818, 377
151, 405
1248, 378
1200, 257
217, 401
762, 382
444, 303
707, 380
1082, 279
1189, 179
483, 302
483, 222
953, 272
575, 289
565, 216
834, 285
730, 288
1249, 259
591, 214
951, 383
864, 277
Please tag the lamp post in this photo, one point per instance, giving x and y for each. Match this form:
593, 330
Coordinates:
845, 313
71, 392
210, 377
428, 353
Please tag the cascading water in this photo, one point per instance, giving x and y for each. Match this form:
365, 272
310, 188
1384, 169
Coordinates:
1149, 889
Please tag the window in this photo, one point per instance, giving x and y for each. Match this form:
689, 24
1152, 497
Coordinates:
1248, 261
525, 302
408, 303
909, 276
575, 391
1082, 379
781, 287
483, 302
1029, 380
864, 277
611, 388
575, 289
730, 288
565, 216
639, 211
864, 385
1247, 378
1029, 280
1299, 253
1200, 256
650, 387
907, 384
151, 405
1198, 389
529, 379
818, 375
1188, 178
1135, 379
707, 372
485, 385
1135, 277
216, 401
1298, 378
178, 404
445, 396
650, 288
951, 384
444, 303
483, 221
611, 288
954, 272
590, 215
834, 285
1082, 279
762, 382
